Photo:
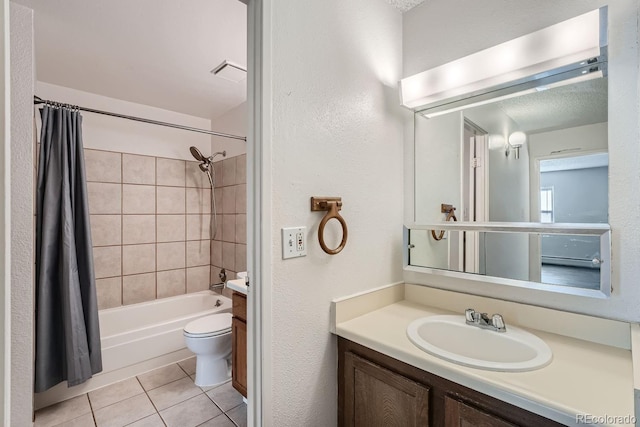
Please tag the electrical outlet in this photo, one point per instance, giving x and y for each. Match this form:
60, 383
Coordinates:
294, 242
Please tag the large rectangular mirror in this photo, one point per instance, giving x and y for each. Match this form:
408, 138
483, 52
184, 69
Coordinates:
530, 151
539, 157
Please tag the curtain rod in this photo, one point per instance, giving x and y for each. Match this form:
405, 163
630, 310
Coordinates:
37, 100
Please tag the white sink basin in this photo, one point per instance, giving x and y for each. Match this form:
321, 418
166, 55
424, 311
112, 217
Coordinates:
450, 338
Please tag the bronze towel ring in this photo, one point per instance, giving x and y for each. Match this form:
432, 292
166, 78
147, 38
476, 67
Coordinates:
332, 205
450, 211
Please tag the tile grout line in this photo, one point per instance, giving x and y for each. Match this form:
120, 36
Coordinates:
93, 414
155, 164
121, 229
150, 400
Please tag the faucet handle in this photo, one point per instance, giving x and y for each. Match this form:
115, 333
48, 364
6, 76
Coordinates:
470, 315
498, 323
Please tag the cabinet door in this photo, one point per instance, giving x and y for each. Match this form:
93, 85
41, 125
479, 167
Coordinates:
458, 414
377, 397
239, 306
239, 362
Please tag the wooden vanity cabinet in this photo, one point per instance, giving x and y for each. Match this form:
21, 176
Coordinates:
375, 390
239, 343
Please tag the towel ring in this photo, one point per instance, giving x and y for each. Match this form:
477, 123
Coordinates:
450, 211
332, 206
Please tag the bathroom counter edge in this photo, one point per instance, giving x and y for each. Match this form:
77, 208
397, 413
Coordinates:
579, 372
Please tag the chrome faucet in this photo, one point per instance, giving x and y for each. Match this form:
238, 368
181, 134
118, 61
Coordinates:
482, 320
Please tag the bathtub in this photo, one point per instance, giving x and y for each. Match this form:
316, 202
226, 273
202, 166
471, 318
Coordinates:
140, 337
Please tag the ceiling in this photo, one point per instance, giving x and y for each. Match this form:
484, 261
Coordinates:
153, 52
572, 105
404, 5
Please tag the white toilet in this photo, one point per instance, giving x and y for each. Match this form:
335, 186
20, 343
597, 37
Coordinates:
209, 338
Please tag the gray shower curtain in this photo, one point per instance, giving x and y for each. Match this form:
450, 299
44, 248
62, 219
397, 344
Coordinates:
67, 330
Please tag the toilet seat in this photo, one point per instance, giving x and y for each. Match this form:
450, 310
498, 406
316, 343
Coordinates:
209, 326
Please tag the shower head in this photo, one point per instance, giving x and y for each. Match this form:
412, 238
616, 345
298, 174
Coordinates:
197, 154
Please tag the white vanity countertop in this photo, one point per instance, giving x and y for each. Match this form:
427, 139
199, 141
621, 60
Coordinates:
583, 378
237, 285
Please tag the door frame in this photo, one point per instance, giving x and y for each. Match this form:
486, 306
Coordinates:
5, 221
259, 234
535, 244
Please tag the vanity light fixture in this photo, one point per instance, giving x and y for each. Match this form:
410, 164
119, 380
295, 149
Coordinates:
230, 71
570, 51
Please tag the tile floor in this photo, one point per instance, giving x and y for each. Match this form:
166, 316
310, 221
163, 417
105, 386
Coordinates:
164, 397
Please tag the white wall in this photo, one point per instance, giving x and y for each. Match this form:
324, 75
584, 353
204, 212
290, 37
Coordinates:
335, 132
438, 180
5, 279
504, 254
22, 171
438, 31
233, 122
116, 134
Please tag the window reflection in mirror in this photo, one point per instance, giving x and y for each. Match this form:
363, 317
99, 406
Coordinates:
540, 157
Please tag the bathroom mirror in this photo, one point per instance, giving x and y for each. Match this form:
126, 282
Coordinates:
509, 160
446, 87
519, 166
536, 158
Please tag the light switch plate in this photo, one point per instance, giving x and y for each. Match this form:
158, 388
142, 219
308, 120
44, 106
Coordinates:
294, 242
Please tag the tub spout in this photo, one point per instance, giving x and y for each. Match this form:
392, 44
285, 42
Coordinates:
215, 286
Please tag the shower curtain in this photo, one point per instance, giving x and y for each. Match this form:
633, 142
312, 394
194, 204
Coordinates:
67, 330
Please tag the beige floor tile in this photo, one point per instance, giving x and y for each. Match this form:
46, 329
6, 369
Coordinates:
150, 421
114, 393
124, 412
161, 376
82, 421
239, 415
63, 411
219, 421
173, 393
225, 396
188, 365
190, 413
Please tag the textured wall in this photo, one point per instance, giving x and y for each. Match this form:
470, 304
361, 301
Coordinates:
437, 32
22, 81
336, 131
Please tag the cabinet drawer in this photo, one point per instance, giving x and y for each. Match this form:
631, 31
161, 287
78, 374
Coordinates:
239, 306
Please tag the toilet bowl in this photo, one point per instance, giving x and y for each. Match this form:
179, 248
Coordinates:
209, 338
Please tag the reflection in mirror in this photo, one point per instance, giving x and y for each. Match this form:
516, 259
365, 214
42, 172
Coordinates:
576, 264
541, 157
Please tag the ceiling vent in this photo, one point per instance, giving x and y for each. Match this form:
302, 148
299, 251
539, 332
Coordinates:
230, 71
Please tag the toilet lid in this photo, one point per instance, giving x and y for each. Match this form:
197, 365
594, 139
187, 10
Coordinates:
214, 324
